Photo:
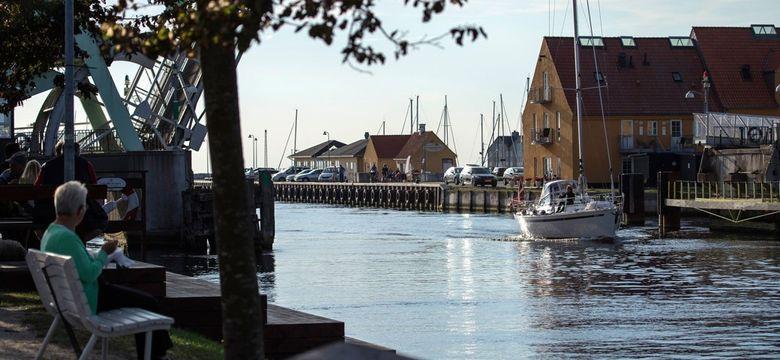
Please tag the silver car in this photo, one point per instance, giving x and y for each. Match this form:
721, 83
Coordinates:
285, 174
310, 175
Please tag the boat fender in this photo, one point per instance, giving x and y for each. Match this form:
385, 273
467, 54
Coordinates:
542, 212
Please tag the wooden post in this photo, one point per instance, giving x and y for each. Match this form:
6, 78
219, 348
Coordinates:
633, 188
265, 195
668, 217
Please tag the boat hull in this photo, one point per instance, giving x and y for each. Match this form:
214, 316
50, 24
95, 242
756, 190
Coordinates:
601, 223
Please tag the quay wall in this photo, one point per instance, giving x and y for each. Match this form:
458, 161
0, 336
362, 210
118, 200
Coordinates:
400, 196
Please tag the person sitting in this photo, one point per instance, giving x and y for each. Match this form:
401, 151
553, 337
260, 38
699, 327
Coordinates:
568, 198
16, 165
8, 150
52, 173
70, 203
30, 173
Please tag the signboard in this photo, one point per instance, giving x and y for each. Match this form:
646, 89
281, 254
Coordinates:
113, 184
433, 147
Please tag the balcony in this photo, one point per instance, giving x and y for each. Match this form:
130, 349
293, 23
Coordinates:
543, 137
541, 95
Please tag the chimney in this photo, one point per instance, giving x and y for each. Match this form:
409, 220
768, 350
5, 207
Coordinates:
421, 128
366, 135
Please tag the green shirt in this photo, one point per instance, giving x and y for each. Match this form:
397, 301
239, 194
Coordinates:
60, 240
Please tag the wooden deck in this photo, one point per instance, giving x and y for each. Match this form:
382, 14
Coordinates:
195, 305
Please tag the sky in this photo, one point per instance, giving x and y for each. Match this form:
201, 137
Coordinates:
290, 71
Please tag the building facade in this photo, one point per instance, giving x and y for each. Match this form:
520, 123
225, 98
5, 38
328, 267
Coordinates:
309, 157
643, 83
505, 151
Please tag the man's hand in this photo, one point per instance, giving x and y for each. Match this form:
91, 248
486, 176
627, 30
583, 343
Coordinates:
109, 246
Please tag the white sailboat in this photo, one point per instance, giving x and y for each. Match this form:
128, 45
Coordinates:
557, 216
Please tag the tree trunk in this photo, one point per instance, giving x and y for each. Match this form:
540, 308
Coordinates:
241, 326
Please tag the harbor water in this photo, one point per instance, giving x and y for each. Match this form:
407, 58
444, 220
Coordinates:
457, 286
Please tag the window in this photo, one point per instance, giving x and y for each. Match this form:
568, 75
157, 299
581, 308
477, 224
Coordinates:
763, 29
534, 127
627, 41
591, 41
744, 71
627, 166
677, 77
641, 128
663, 130
676, 128
558, 123
653, 128
680, 41
545, 81
599, 76
559, 167
546, 121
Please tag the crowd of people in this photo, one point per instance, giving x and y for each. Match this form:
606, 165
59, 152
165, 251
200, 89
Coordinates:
387, 175
71, 219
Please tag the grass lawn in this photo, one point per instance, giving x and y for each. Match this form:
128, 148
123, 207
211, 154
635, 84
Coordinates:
186, 344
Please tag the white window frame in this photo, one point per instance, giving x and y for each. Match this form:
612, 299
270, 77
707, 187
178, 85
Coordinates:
558, 123
652, 128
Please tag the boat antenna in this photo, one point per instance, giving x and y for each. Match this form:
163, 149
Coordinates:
578, 96
601, 105
482, 139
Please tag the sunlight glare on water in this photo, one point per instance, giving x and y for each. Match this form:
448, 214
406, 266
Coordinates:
452, 286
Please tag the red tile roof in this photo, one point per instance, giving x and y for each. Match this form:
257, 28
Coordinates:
416, 142
388, 146
639, 88
726, 50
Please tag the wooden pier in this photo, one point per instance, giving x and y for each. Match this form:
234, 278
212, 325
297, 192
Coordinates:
400, 196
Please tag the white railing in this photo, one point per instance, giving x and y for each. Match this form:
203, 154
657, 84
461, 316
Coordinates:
726, 129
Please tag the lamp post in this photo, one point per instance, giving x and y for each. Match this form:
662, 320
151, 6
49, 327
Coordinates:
254, 151
691, 94
326, 133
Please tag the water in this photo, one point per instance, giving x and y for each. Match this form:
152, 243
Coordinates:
453, 286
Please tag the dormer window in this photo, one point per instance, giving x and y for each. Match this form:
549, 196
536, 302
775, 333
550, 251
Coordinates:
680, 41
763, 30
628, 41
591, 41
677, 77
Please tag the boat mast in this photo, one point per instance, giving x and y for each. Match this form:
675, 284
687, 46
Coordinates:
295, 137
418, 114
578, 97
482, 139
411, 116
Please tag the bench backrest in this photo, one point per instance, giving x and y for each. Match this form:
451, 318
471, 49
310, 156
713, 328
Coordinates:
43, 192
67, 288
36, 261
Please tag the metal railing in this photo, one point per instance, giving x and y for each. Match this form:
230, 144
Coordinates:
540, 95
724, 129
543, 136
725, 190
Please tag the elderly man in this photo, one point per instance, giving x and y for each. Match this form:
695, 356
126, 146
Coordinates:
70, 203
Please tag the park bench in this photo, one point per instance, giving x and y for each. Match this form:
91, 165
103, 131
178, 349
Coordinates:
63, 297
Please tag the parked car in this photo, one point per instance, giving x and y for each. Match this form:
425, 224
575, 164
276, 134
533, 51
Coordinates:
477, 175
329, 174
452, 175
513, 175
498, 171
292, 176
255, 174
310, 175
284, 174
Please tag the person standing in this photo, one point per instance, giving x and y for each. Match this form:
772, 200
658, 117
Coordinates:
385, 172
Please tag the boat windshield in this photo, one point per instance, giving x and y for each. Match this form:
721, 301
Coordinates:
554, 189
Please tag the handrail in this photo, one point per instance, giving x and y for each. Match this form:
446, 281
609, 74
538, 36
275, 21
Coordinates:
768, 191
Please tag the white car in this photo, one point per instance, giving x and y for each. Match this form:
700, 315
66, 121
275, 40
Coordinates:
329, 174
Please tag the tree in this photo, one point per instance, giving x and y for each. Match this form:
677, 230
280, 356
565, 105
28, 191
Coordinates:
215, 31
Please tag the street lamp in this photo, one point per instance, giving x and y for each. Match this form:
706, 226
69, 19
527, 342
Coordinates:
326, 133
691, 94
254, 151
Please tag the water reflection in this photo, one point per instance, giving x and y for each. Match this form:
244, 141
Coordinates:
451, 286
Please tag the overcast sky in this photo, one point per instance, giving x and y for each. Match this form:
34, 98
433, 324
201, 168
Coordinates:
289, 71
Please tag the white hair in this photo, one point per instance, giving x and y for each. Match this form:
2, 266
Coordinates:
69, 197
